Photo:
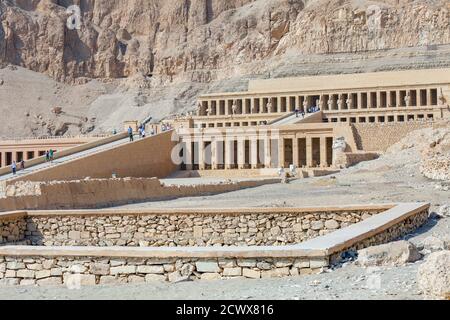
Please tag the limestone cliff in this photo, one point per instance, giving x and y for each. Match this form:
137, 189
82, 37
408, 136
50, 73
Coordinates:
167, 51
203, 40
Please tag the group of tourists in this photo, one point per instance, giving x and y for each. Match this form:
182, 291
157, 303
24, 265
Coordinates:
141, 131
14, 166
166, 127
49, 155
299, 112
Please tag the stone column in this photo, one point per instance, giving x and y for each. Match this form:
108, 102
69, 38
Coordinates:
267, 153
254, 152
378, 99
429, 100
296, 152
309, 152
323, 152
229, 153
261, 105
209, 106
3, 160
281, 152
214, 155
241, 152
201, 155
252, 105
188, 155
399, 102
278, 109
297, 102
388, 99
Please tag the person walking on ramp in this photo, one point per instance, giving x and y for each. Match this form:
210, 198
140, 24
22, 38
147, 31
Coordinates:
130, 134
14, 168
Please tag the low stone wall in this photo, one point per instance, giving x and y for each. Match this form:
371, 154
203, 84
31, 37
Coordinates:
397, 231
79, 266
80, 271
101, 193
183, 227
348, 159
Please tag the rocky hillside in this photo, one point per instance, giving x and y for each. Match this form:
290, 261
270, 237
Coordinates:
166, 51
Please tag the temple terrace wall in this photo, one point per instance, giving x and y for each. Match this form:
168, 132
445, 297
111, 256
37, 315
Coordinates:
78, 266
179, 227
378, 137
100, 193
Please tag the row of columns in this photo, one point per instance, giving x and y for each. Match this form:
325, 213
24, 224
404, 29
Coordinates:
266, 152
337, 101
14, 156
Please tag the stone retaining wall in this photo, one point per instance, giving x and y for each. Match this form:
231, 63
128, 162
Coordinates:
255, 227
101, 193
397, 231
95, 270
79, 266
376, 137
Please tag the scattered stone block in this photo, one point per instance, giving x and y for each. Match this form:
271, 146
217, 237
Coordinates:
433, 276
391, 254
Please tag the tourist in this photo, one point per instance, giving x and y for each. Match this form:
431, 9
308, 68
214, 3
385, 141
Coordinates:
297, 112
114, 132
22, 164
50, 154
140, 131
14, 167
130, 134
143, 133
47, 156
303, 114
152, 132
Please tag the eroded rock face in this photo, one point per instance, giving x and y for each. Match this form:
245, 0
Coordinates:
434, 275
205, 40
392, 254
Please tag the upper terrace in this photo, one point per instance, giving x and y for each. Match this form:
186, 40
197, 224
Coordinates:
357, 98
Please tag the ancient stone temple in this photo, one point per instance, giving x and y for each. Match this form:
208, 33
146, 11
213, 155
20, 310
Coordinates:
295, 121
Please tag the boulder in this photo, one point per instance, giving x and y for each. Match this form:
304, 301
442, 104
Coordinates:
433, 276
433, 244
444, 211
392, 254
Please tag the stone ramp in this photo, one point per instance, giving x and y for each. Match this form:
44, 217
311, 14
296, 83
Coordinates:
63, 157
293, 119
144, 158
